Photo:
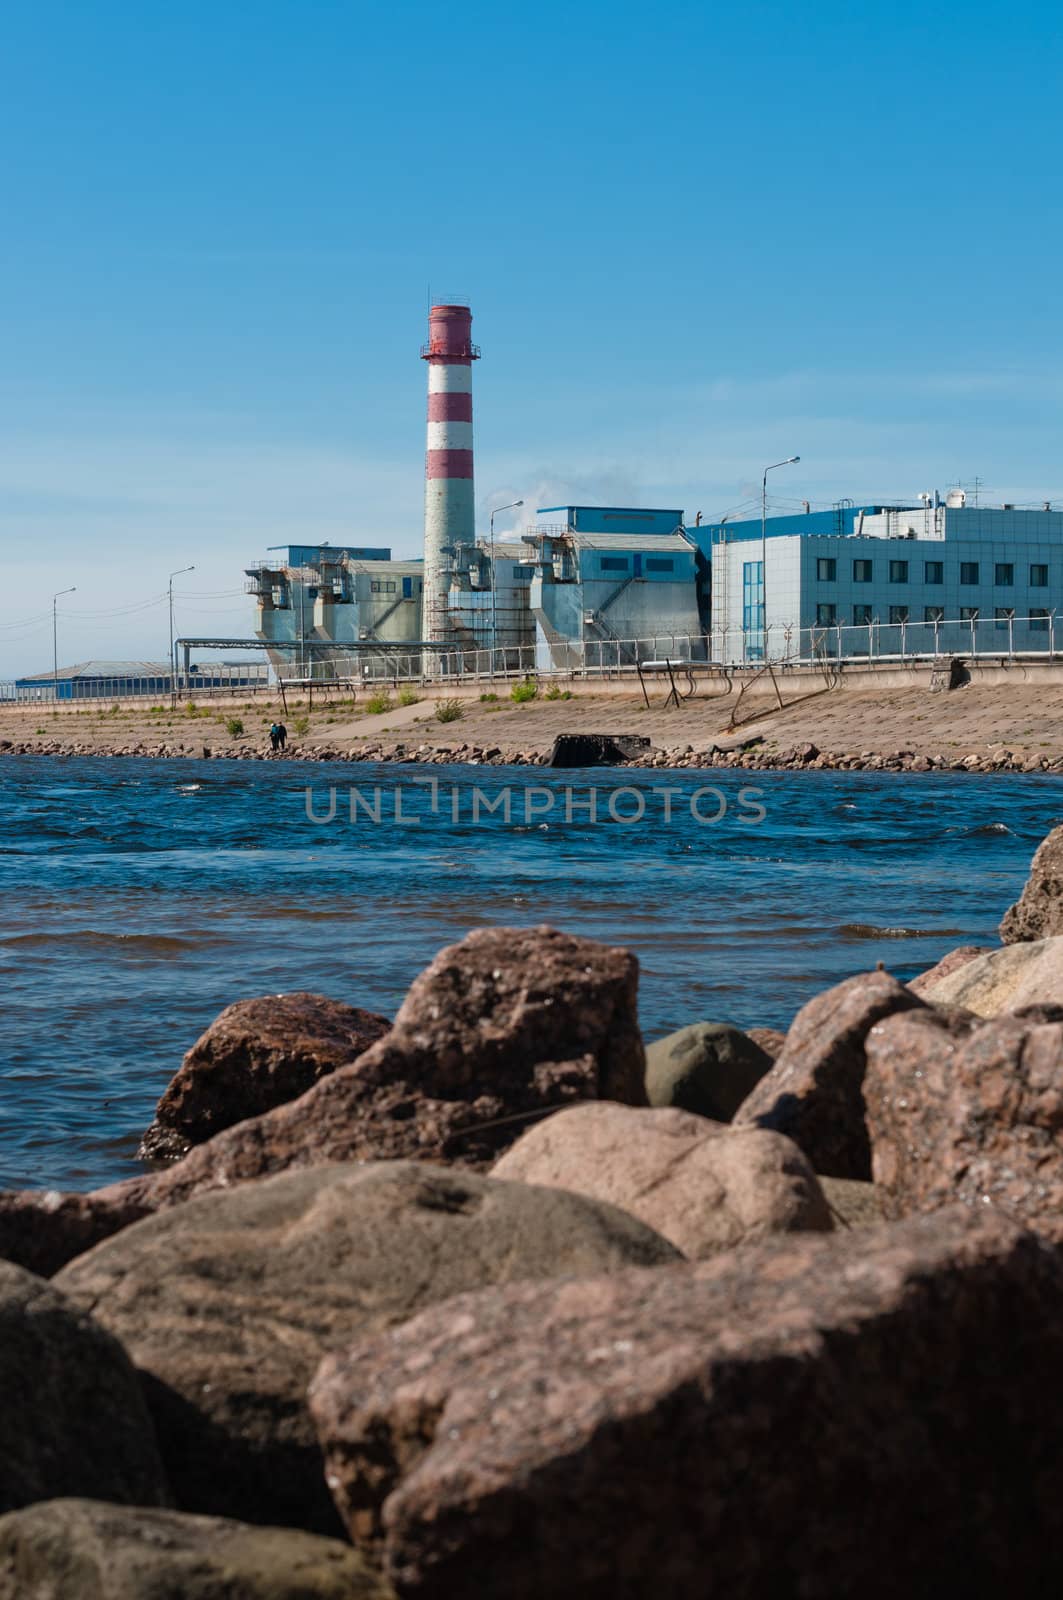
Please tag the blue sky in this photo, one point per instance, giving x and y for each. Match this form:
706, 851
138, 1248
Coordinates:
696, 238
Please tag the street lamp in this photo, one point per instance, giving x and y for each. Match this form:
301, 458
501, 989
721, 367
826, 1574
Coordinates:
764, 541
494, 609
55, 643
173, 664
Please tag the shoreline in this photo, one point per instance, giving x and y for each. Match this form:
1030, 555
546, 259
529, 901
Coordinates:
756, 757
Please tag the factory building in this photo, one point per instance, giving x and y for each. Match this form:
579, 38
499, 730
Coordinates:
608, 576
333, 594
940, 578
591, 586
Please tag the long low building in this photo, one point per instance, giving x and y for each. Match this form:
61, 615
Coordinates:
122, 680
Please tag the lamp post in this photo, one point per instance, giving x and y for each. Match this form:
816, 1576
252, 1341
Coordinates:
55, 642
173, 665
494, 609
764, 541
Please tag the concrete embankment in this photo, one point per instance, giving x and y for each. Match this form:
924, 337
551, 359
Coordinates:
1003, 719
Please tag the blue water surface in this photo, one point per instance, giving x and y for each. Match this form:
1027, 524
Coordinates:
140, 897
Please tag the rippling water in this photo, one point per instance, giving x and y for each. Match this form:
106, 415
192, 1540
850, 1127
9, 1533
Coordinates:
140, 897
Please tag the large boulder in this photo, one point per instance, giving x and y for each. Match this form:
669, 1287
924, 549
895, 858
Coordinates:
43, 1229
500, 1027
926, 981
1019, 975
703, 1185
228, 1303
75, 1421
813, 1093
707, 1067
256, 1055
962, 1110
821, 1415
1038, 912
87, 1550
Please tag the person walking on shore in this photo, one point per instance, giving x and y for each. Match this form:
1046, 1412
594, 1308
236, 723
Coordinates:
274, 737
282, 734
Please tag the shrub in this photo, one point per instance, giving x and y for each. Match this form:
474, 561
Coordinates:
408, 697
234, 727
554, 693
301, 724
485, 698
523, 692
377, 703
449, 711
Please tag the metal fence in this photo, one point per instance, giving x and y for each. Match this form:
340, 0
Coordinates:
875, 643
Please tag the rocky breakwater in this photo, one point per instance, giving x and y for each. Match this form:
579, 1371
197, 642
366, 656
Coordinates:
754, 755
474, 1320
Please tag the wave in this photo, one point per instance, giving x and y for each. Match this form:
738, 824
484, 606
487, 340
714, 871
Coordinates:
162, 944
988, 828
871, 930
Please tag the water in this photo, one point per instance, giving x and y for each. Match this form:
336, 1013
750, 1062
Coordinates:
140, 897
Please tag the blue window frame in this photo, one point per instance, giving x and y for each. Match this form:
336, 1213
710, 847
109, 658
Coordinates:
660, 564
753, 608
613, 564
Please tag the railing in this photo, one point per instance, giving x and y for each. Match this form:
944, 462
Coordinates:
874, 644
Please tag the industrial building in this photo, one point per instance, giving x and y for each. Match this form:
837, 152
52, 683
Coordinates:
121, 680
588, 586
936, 578
310, 596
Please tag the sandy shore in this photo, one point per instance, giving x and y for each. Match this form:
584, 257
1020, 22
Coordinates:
979, 727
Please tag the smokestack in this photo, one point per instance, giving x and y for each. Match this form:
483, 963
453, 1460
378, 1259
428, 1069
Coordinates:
449, 511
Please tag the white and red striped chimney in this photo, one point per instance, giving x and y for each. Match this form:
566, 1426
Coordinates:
449, 510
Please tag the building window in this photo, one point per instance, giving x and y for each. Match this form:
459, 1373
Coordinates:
614, 563
968, 613
898, 614
934, 572
1039, 575
1038, 619
1004, 615
968, 572
898, 572
861, 615
933, 613
660, 564
523, 574
861, 572
383, 586
1005, 575
826, 614
752, 598
826, 569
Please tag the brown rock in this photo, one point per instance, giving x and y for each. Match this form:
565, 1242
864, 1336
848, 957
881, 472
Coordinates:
853, 1204
925, 981
1038, 912
43, 1229
707, 1067
770, 1040
75, 1421
720, 1429
813, 1093
1019, 975
227, 1304
705, 1186
256, 1055
88, 1550
960, 1110
499, 1028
